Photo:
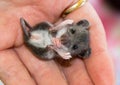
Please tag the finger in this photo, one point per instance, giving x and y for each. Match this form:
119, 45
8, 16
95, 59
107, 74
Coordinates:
12, 71
99, 65
44, 72
76, 74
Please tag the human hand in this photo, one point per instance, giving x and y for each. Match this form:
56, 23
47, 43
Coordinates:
19, 67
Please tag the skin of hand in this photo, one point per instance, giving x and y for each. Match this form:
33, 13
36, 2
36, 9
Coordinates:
18, 66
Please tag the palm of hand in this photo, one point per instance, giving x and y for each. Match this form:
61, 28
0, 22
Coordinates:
20, 65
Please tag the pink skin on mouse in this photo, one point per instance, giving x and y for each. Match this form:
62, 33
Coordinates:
57, 45
61, 28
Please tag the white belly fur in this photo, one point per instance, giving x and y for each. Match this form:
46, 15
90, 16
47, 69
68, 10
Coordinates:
43, 38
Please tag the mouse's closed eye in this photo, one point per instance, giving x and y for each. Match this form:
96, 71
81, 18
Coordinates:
74, 47
72, 31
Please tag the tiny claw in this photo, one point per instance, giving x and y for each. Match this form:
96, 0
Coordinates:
67, 56
56, 42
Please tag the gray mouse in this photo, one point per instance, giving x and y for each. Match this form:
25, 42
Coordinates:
65, 40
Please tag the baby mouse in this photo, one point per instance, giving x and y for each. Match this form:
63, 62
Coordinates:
64, 40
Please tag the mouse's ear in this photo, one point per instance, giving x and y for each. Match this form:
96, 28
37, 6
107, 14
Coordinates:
84, 23
25, 27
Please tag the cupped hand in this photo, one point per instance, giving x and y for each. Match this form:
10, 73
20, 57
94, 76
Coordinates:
18, 66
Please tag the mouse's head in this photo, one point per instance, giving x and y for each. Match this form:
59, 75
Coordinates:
77, 38
80, 38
